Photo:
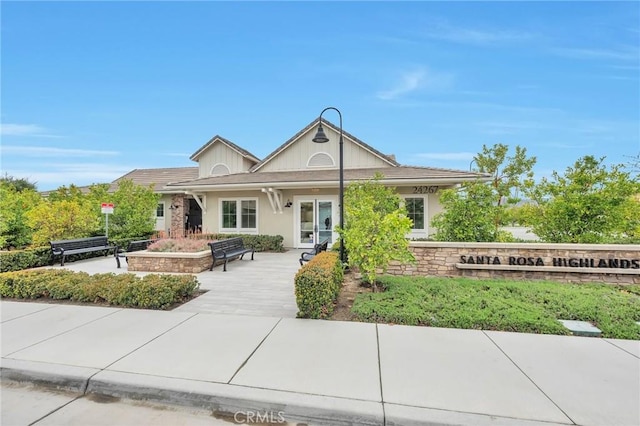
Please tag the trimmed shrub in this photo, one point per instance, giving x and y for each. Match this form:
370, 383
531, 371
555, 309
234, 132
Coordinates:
152, 291
317, 285
16, 260
257, 242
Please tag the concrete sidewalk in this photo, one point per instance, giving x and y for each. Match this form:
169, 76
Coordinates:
323, 372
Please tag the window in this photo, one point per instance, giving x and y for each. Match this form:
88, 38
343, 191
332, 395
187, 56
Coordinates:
321, 159
415, 211
160, 210
248, 214
220, 169
239, 215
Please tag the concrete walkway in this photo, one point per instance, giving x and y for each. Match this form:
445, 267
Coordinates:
323, 372
262, 287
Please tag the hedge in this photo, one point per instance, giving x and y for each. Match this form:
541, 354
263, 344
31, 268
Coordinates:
16, 260
152, 291
317, 285
256, 242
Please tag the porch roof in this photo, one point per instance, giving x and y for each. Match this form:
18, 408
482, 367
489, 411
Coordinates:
401, 175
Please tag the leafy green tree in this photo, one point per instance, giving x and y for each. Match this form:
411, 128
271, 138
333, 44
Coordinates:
376, 225
633, 165
134, 210
510, 176
61, 220
19, 184
15, 231
469, 213
589, 203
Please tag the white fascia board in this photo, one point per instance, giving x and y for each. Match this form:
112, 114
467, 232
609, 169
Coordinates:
325, 184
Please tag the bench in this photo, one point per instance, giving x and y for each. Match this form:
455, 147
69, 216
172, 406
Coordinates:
231, 248
132, 246
65, 248
308, 255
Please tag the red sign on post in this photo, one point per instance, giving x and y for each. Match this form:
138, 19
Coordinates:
107, 208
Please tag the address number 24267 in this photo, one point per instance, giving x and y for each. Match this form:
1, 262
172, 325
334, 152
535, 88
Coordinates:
425, 189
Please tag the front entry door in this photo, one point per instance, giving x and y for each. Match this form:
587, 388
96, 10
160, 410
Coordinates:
315, 221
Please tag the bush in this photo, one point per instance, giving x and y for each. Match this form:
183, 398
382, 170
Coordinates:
317, 285
152, 291
17, 260
257, 242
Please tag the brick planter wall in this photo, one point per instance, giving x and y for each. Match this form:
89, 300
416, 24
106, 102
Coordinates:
615, 264
192, 263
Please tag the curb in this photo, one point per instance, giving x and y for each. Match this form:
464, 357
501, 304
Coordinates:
225, 400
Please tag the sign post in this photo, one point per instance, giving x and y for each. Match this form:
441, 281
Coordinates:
107, 209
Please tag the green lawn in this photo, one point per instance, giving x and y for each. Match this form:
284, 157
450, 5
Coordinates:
523, 306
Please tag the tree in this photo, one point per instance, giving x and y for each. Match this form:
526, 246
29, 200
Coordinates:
61, 220
376, 225
15, 231
19, 185
588, 204
634, 164
469, 214
134, 211
510, 175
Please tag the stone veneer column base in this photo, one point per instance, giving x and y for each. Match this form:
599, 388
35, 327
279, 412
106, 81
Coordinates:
190, 263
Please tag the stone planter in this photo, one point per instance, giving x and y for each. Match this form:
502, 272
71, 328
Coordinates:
191, 263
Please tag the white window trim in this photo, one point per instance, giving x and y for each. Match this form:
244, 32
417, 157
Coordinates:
333, 161
238, 200
219, 174
420, 233
164, 210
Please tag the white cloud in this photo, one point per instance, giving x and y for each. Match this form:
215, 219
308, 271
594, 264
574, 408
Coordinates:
444, 31
626, 53
412, 81
45, 151
12, 129
447, 156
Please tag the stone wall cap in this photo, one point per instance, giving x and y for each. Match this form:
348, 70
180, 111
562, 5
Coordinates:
527, 246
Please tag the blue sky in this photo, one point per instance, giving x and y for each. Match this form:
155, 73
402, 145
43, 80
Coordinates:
92, 90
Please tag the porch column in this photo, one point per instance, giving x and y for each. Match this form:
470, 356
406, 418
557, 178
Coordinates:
178, 211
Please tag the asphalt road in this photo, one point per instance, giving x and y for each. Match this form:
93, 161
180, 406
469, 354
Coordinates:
24, 405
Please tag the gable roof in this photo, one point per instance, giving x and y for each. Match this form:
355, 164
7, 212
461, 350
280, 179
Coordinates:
160, 177
327, 123
217, 138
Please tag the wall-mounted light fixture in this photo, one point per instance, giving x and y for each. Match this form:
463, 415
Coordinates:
289, 203
173, 207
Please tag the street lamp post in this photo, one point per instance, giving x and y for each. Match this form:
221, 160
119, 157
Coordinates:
321, 137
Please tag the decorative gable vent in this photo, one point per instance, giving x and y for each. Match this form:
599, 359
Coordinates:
321, 159
220, 169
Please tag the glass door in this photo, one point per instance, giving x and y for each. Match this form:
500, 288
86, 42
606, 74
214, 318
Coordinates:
315, 222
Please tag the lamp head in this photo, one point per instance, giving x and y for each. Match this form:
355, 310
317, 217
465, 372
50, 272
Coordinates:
320, 136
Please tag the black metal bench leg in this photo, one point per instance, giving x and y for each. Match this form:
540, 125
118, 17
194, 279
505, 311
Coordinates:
118, 260
224, 268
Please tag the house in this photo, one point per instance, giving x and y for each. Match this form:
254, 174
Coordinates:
293, 192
